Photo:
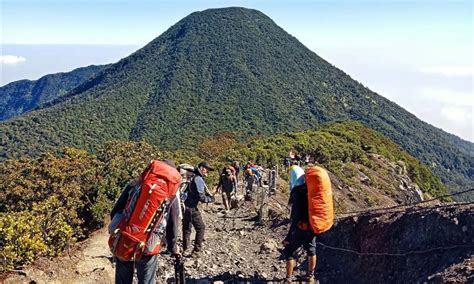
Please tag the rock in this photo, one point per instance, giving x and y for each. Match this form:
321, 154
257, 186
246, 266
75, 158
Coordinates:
418, 194
364, 178
269, 246
401, 168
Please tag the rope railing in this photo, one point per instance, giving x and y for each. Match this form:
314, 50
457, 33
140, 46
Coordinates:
395, 254
373, 211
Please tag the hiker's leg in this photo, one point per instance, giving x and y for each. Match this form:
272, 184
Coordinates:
289, 253
229, 199
225, 201
187, 227
311, 264
290, 265
199, 226
249, 185
146, 269
123, 272
310, 247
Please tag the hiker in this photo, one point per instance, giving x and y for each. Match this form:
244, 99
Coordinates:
312, 213
299, 234
228, 186
286, 163
252, 176
125, 213
197, 192
236, 166
250, 179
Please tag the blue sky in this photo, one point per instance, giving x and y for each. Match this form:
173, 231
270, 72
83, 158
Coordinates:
416, 53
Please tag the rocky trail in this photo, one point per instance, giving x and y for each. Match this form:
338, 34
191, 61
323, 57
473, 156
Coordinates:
433, 244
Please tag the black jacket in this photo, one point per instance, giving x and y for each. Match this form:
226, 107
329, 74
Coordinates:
299, 207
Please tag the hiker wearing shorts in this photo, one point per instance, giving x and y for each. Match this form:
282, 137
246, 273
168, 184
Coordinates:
228, 186
299, 234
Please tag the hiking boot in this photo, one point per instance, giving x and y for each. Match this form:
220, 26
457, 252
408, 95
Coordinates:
309, 278
196, 254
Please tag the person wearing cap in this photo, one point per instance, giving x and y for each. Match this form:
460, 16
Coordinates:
192, 216
296, 176
228, 186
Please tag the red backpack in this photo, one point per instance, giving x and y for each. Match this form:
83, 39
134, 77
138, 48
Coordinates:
143, 221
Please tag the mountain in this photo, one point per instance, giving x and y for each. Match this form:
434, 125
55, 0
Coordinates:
218, 70
21, 96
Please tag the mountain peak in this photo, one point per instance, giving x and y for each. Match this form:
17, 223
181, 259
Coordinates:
227, 69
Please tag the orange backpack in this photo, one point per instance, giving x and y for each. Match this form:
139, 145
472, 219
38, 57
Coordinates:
320, 203
143, 221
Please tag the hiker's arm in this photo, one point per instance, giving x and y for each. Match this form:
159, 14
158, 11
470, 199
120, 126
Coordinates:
290, 230
121, 202
201, 189
234, 182
172, 226
294, 217
219, 185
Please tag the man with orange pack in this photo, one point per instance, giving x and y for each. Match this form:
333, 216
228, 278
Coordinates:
311, 214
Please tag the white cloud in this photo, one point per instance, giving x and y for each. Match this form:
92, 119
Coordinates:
11, 59
455, 114
447, 96
448, 71
450, 110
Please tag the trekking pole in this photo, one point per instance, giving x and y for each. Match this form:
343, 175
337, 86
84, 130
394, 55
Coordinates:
179, 275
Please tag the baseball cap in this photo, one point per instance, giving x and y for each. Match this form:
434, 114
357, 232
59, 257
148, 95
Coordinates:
206, 165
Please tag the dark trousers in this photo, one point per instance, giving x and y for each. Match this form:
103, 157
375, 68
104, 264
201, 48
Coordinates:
192, 217
146, 270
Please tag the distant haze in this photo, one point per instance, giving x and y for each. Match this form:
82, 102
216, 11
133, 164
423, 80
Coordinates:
39, 60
